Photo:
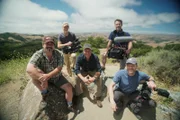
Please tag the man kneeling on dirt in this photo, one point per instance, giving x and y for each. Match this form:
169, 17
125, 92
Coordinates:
45, 67
88, 70
125, 82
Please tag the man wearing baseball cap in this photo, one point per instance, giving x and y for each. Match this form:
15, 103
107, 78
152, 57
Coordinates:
45, 67
123, 87
88, 70
65, 41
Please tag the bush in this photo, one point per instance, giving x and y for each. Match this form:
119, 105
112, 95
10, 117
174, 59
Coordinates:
96, 43
172, 47
163, 65
140, 49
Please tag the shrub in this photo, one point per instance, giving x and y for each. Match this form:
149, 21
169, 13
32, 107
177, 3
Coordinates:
163, 65
140, 49
172, 47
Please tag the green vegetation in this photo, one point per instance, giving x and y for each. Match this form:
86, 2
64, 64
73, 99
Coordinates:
13, 69
5, 36
140, 49
96, 42
163, 65
172, 47
12, 49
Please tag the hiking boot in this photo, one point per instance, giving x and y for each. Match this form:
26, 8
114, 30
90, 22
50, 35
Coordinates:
99, 104
98, 101
72, 109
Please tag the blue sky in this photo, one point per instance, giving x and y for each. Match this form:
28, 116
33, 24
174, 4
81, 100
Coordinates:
47, 16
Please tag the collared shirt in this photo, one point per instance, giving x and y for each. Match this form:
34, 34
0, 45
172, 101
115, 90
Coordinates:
83, 65
114, 34
126, 83
40, 60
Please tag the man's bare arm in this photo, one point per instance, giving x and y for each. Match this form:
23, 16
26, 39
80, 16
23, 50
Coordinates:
60, 45
130, 45
47, 76
33, 71
111, 96
108, 45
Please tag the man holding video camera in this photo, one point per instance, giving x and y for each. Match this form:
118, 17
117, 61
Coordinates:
65, 41
112, 44
123, 87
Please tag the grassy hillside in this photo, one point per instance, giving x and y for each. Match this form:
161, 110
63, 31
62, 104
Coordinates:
6, 36
12, 49
13, 70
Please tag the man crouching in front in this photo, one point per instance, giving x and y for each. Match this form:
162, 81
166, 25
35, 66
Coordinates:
123, 87
45, 67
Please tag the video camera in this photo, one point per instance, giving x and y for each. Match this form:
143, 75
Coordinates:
73, 48
145, 97
119, 52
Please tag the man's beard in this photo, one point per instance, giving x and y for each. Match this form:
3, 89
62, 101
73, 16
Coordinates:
118, 28
49, 49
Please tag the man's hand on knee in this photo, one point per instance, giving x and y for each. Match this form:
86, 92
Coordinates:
113, 106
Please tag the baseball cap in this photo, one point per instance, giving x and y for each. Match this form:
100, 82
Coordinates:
131, 61
87, 45
47, 39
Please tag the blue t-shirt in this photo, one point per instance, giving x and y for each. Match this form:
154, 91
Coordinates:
114, 34
128, 84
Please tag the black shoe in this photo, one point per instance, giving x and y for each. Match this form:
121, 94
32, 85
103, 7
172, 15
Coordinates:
103, 68
72, 109
99, 104
98, 101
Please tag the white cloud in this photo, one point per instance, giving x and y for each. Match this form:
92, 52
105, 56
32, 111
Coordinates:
26, 16
89, 16
99, 15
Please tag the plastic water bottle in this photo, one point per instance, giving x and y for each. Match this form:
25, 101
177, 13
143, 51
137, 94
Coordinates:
91, 88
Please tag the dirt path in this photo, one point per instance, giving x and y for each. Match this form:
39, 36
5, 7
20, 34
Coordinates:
93, 112
9, 100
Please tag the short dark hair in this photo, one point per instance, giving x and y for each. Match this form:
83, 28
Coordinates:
119, 21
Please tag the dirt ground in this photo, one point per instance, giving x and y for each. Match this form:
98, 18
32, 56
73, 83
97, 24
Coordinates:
9, 100
10, 96
91, 111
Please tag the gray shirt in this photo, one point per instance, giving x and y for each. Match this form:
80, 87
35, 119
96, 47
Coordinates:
65, 39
